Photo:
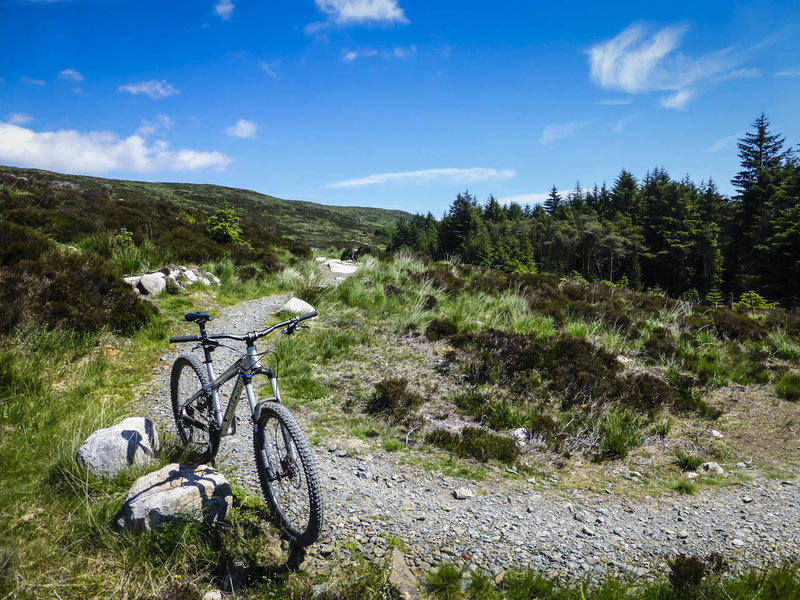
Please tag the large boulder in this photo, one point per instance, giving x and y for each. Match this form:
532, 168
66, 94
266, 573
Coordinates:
107, 451
338, 267
153, 284
197, 493
295, 306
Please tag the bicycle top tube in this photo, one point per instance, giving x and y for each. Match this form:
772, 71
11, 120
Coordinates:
249, 337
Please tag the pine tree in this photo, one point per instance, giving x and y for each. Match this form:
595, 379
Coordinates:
493, 212
553, 202
624, 196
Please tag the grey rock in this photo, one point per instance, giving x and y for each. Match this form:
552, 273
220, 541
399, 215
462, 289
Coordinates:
107, 451
713, 468
295, 306
152, 284
338, 267
200, 493
462, 493
402, 577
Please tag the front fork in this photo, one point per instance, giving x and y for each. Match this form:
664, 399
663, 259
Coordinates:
288, 460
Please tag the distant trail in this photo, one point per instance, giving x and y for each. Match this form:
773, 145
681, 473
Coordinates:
371, 496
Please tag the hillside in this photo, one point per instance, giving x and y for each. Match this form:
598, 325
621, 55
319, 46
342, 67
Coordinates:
304, 222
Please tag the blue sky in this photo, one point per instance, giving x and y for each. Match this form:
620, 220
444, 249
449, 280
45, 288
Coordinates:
393, 103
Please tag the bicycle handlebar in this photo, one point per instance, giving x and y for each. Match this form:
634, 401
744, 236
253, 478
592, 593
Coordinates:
252, 336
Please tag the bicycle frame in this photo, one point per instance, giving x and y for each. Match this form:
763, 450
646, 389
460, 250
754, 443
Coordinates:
244, 369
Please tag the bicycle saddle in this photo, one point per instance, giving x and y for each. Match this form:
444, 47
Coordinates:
198, 317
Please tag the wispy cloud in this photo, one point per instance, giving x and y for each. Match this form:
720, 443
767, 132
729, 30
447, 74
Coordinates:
269, 67
154, 89
459, 176
31, 80
637, 62
357, 12
678, 100
98, 152
19, 118
242, 129
622, 123
224, 9
70, 75
621, 102
788, 73
723, 143
161, 124
557, 131
398, 52
741, 74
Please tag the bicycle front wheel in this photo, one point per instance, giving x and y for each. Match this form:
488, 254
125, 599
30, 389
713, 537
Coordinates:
193, 420
288, 475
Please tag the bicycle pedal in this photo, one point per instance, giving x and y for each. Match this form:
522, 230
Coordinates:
234, 424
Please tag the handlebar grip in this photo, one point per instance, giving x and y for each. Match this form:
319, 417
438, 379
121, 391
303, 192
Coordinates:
313, 313
184, 338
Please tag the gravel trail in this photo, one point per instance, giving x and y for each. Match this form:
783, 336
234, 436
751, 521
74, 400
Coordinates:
370, 497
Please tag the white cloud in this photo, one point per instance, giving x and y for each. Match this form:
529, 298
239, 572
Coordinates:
31, 80
614, 102
622, 123
460, 176
357, 12
399, 52
678, 100
161, 124
722, 143
70, 75
154, 89
19, 118
556, 131
788, 73
269, 68
98, 152
242, 129
224, 9
742, 74
636, 62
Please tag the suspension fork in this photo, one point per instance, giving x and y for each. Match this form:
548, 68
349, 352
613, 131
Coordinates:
276, 397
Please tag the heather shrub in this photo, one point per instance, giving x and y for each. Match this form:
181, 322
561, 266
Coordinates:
392, 399
476, 443
67, 289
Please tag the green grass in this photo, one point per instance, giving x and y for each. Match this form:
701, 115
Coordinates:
788, 387
619, 433
686, 461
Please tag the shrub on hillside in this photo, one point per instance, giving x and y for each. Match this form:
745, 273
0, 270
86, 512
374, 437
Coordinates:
440, 329
476, 443
788, 387
21, 243
68, 289
659, 345
392, 399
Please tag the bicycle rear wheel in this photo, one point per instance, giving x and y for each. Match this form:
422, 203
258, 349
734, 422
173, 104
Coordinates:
288, 475
188, 377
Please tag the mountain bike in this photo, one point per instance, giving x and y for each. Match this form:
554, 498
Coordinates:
284, 461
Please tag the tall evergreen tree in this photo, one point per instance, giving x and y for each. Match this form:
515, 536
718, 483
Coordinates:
553, 202
493, 212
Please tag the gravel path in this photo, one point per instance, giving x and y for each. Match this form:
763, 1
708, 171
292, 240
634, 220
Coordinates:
370, 496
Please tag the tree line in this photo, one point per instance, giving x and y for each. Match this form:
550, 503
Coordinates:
657, 233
